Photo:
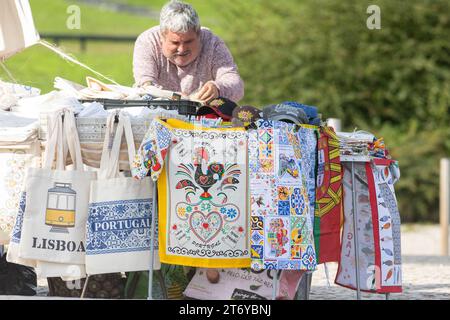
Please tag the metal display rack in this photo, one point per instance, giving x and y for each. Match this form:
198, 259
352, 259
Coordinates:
152, 240
184, 107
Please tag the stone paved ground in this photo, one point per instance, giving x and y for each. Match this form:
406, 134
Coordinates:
426, 275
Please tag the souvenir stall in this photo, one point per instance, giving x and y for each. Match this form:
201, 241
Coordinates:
110, 191
245, 199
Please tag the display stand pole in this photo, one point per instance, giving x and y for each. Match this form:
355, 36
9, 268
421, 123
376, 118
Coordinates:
308, 279
275, 285
355, 233
444, 204
354, 159
152, 242
84, 287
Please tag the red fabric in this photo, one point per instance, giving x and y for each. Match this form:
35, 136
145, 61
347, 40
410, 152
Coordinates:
376, 230
330, 240
329, 220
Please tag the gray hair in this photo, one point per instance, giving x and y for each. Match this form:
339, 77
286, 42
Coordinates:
180, 17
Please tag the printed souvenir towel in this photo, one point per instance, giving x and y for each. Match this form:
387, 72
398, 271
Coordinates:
281, 228
378, 235
242, 284
328, 212
202, 192
382, 174
346, 275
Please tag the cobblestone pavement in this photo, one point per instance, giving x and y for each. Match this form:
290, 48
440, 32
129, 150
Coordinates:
426, 275
424, 278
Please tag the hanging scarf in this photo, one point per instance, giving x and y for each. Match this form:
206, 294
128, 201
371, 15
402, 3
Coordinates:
328, 209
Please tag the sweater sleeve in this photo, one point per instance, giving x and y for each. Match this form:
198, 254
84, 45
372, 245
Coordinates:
152, 151
227, 78
145, 67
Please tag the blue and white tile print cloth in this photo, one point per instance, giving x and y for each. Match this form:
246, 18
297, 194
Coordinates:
119, 226
281, 227
308, 145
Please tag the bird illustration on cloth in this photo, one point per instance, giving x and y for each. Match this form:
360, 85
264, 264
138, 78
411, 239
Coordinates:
206, 217
202, 175
288, 165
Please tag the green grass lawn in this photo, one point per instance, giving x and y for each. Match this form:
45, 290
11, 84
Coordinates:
51, 16
38, 66
206, 9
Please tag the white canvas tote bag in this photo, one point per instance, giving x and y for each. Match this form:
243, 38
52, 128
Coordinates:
120, 212
57, 201
66, 271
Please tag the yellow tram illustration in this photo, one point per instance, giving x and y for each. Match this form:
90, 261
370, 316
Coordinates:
60, 212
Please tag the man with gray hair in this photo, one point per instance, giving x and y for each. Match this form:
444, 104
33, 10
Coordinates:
179, 55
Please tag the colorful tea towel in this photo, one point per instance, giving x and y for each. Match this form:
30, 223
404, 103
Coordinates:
242, 284
202, 192
281, 229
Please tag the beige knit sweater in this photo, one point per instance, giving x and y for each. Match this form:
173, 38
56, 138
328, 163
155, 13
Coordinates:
214, 63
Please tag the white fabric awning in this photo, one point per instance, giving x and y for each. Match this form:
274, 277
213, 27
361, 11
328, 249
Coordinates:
17, 30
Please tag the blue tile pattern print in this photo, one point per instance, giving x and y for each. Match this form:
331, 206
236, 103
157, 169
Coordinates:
284, 209
119, 226
309, 259
308, 145
297, 202
17, 231
163, 136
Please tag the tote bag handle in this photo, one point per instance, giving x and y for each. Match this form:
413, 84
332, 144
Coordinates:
55, 141
73, 141
106, 172
123, 127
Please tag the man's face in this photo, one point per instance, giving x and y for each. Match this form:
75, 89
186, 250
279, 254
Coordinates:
181, 48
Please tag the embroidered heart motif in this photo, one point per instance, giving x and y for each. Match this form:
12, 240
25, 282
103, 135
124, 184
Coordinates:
215, 168
205, 227
203, 179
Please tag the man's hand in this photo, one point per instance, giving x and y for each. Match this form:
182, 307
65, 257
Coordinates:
151, 84
208, 92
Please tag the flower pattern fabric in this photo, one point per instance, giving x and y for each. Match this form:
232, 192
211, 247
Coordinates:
202, 192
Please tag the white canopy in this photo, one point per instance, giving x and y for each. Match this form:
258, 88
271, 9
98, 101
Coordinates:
17, 30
